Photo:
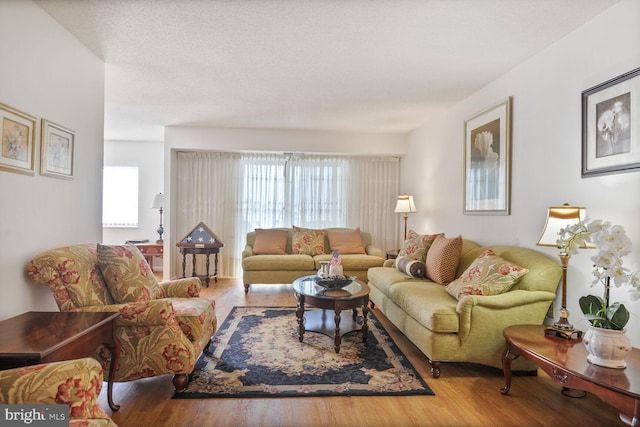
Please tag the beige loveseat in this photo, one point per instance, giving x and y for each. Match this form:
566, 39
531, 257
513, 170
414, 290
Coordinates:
285, 268
470, 329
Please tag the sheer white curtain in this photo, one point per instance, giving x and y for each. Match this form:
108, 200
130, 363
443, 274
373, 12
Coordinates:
236, 193
207, 190
373, 187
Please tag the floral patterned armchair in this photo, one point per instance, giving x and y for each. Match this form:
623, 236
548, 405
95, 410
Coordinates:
76, 383
163, 327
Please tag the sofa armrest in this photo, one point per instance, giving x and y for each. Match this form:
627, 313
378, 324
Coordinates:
513, 307
158, 312
76, 383
247, 252
372, 250
188, 287
389, 263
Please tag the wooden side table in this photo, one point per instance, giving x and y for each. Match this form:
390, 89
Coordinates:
151, 250
204, 249
40, 337
565, 361
393, 254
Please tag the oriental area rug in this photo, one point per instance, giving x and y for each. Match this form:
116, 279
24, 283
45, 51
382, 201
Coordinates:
256, 353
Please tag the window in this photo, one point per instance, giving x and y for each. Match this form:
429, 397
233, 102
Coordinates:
120, 196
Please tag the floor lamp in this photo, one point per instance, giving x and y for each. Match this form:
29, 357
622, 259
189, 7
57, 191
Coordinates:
405, 205
158, 203
559, 217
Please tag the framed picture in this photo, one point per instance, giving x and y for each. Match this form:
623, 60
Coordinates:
610, 125
57, 151
487, 161
18, 146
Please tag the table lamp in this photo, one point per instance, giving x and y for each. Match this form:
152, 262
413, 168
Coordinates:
405, 205
158, 203
559, 217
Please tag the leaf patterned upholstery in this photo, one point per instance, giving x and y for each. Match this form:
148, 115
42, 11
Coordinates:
164, 334
76, 383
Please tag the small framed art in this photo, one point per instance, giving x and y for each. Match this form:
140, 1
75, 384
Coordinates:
610, 125
18, 132
487, 161
56, 159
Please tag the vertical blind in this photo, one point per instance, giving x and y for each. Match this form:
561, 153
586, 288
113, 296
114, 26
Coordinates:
234, 193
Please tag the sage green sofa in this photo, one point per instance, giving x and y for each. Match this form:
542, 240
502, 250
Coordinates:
270, 269
469, 330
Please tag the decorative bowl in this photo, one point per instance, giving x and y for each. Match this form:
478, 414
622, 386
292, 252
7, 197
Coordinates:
334, 282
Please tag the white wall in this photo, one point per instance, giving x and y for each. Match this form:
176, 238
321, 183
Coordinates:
546, 152
149, 158
238, 140
49, 74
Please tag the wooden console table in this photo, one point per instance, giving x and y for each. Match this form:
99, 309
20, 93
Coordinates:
40, 337
150, 250
565, 361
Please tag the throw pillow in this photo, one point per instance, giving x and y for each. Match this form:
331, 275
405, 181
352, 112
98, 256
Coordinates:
410, 266
307, 241
417, 245
443, 258
127, 274
346, 241
270, 241
487, 275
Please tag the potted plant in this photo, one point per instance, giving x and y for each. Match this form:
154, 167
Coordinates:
605, 317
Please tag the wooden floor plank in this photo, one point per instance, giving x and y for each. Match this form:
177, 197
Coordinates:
466, 394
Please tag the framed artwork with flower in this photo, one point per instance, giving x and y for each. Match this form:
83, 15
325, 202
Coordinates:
610, 125
487, 161
17, 148
57, 151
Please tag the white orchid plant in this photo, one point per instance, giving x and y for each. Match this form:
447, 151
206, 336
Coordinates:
612, 244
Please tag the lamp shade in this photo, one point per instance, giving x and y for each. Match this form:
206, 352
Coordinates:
158, 201
405, 204
559, 217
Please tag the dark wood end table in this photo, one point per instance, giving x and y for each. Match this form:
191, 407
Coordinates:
350, 297
40, 337
565, 361
200, 249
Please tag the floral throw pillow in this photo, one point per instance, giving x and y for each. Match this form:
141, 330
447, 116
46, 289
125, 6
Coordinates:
128, 275
487, 275
307, 241
417, 245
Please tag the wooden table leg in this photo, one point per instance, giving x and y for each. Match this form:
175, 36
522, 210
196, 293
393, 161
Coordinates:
184, 263
114, 349
365, 326
337, 337
507, 357
206, 280
193, 265
300, 316
215, 267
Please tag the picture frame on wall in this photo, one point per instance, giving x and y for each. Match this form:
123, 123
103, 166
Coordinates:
610, 126
487, 161
18, 145
56, 159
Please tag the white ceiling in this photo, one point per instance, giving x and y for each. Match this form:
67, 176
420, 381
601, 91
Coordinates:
348, 65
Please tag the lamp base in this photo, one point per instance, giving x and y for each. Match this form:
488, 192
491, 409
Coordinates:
562, 332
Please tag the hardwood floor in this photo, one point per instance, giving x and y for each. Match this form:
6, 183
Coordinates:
465, 394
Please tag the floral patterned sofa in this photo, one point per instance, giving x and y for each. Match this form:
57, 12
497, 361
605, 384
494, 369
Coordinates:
163, 327
76, 383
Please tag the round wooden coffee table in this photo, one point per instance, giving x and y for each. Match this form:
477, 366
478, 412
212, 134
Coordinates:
350, 297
